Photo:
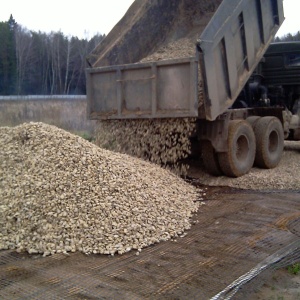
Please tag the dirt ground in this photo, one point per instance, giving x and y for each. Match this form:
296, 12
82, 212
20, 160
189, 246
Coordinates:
279, 285
232, 233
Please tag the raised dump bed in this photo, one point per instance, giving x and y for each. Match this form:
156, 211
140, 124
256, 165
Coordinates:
208, 81
228, 51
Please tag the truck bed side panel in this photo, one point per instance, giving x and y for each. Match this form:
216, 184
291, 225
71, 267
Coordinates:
150, 90
232, 45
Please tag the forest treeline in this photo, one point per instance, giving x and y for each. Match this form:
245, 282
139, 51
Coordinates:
36, 63
289, 38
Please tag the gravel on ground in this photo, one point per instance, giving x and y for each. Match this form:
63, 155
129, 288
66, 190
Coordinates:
286, 176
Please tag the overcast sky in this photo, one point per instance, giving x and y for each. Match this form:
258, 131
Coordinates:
75, 18
86, 18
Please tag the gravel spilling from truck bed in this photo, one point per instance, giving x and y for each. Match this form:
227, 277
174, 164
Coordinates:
162, 141
60, 193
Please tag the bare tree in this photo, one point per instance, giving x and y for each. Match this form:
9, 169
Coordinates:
69, 45
23, 51
42, 63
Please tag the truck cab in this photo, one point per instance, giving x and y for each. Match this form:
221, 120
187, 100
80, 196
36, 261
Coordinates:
281, 75
276, 83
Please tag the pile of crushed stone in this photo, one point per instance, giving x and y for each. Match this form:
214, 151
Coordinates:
59, 193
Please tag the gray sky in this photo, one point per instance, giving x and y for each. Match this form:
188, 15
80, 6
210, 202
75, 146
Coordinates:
291, 23
75, 18
86, 18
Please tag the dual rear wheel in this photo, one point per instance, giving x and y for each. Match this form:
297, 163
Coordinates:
256, 141
269, 142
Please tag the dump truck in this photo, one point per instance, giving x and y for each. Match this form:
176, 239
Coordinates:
243, 91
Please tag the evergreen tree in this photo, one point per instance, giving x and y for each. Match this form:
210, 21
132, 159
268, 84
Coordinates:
36, 63
12, 23
289, 37
7, 57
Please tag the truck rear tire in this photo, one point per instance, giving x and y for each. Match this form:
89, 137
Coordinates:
253, 120
239, 158
269, 142
210, 159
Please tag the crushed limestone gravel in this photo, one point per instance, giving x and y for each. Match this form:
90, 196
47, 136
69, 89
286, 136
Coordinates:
60, 193
165, 142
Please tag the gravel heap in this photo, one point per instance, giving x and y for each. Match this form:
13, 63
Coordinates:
60, 193
162, 141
